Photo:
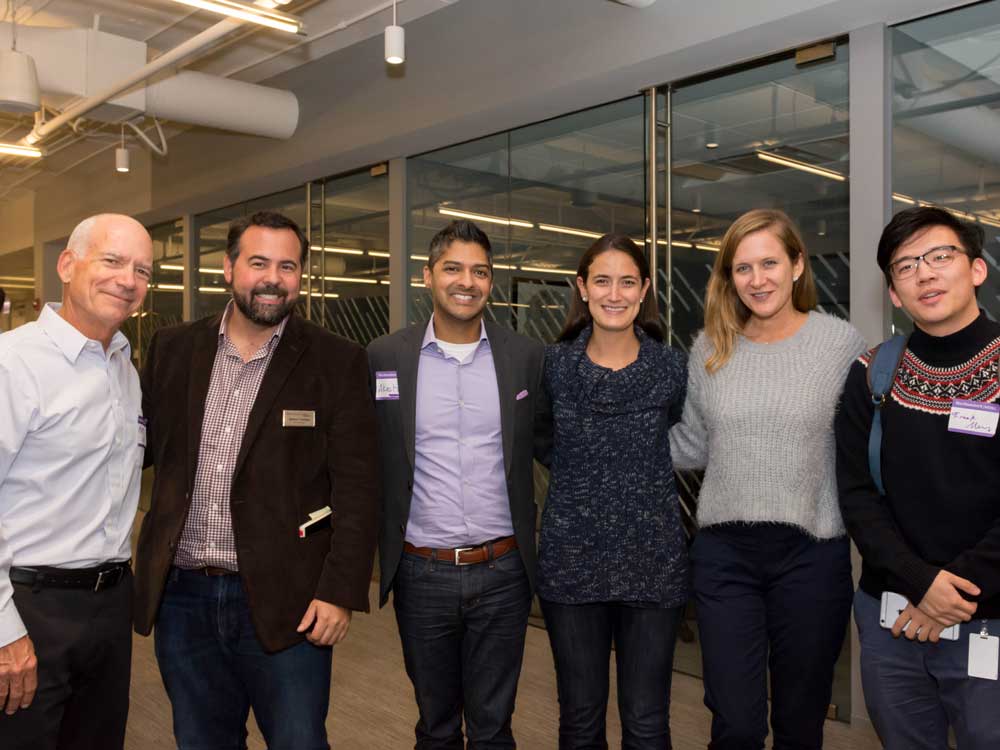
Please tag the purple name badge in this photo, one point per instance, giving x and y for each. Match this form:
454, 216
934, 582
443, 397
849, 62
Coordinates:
386, 386
973, 418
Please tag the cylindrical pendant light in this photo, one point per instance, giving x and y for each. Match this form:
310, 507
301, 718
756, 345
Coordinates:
122, 162
395, 41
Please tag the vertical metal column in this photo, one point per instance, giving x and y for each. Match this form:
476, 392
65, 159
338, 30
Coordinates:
308, 264
669, 203
399, 275
190, 275
651, 207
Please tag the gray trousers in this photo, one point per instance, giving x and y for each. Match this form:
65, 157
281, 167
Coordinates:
914, 691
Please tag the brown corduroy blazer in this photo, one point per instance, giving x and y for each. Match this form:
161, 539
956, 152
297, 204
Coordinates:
282, 474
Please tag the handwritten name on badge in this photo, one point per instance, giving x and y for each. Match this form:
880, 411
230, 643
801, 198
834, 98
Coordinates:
386, 386
974, 418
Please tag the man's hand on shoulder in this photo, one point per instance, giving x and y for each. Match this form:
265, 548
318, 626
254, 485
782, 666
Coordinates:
943, 600
325, 624
18, 674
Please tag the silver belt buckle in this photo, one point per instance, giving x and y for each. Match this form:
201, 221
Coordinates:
460, 550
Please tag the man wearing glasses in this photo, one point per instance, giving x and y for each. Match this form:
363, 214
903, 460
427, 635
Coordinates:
928, 604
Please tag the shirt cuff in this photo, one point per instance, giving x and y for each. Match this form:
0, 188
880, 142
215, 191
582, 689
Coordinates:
11, 626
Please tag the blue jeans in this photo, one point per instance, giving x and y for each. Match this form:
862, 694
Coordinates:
215, 670
914, 691
462, 629
769, 598
581, 636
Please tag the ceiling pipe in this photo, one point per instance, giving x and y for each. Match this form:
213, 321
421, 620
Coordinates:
171, 57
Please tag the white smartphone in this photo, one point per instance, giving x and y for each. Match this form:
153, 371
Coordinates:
892, 606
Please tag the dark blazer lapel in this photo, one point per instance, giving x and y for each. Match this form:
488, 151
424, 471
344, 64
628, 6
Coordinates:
285, 357
500, 347
407, 360
205, 345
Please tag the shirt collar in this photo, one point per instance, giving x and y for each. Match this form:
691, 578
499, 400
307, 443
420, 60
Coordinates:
229, 310
430, 338
70, 340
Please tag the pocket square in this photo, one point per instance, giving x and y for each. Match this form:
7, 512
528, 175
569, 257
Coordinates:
520, 395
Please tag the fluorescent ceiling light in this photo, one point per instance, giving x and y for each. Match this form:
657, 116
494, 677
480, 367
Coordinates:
245, 12
378, 254
328, 295
989, 222
171, 287
211, 271
539, 269
486, 218
348, 280
14, 149
710, 248
420, 257
341, 250
213, 290
170, 267
504, 267
904, 199
570, 230
801, 166
17, 278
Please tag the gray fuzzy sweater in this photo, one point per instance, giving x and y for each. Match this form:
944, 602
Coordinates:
762, 428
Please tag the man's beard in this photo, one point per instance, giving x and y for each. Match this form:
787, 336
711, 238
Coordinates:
259, 313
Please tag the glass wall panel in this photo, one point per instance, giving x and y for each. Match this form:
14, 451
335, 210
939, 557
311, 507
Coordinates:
946, 124
769, 135
350, 255
774, 135
17, 279
211, 229
542, 193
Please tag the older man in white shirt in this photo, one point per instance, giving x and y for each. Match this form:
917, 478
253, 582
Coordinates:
71, 452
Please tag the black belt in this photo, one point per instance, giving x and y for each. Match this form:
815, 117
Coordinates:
96, 579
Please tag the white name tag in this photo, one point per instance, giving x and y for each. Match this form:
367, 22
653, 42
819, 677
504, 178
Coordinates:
386, 386
974, 418
984, 656
298, 418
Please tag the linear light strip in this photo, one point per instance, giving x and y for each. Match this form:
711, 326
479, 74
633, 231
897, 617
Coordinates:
486, 218
570, 230
340, 250
254, 14
801, 166
14, 149
539, 269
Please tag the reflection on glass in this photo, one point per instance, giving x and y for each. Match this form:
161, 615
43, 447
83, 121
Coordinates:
945, 144
17, 279
772, 136
349, 261
542, 193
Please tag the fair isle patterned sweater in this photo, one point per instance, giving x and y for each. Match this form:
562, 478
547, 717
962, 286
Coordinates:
942, 504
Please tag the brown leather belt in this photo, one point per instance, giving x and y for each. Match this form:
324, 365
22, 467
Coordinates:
466, 555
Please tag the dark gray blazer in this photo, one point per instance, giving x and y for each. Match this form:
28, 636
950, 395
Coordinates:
518, 361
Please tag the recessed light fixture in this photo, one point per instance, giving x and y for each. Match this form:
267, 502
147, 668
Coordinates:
395, 41
711, 144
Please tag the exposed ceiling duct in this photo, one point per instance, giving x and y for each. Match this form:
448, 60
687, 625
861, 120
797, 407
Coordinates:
106, 77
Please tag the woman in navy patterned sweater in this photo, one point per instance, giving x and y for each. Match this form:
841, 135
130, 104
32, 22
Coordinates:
613, 564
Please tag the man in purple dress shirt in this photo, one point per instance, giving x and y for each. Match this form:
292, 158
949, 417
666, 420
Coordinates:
455, 400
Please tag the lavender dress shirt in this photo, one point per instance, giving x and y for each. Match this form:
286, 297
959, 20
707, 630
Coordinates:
459, 486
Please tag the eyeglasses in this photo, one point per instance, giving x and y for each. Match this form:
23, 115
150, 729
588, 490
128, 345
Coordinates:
936, 257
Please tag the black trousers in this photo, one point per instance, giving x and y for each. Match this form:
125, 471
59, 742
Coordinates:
769, 599
83, 641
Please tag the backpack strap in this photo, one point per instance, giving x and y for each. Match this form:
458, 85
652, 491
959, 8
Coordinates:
881, 374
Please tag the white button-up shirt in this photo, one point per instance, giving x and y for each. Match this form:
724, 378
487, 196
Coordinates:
71, 449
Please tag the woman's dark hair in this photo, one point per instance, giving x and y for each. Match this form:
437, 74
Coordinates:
579, 317
912, 221
268, 220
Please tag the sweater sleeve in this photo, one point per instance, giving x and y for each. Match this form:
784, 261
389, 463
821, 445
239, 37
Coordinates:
689, 437
868, 518
981, 564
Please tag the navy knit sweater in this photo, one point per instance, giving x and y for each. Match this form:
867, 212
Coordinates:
611, 527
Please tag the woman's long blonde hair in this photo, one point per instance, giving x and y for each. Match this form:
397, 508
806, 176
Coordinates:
725, 313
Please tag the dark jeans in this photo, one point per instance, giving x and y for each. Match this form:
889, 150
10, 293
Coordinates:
581, 636
462, 630
215, 670
914, 691
83, 641
769, 595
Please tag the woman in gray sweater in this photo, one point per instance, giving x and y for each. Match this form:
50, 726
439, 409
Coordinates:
771, 568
